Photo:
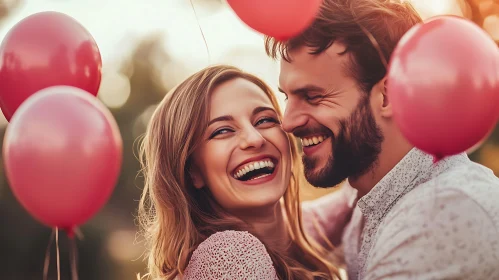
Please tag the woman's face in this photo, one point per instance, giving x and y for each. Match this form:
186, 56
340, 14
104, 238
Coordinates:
244, 156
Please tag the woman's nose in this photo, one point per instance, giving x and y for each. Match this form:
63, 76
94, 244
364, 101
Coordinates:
251, 138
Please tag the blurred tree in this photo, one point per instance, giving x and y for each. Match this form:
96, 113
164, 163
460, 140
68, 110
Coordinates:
480, 10
146, 90
7, 6
489, 150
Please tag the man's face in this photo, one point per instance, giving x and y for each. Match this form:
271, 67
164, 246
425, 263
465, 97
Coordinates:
331, 115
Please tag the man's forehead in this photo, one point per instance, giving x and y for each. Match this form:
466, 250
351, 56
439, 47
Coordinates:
305, 67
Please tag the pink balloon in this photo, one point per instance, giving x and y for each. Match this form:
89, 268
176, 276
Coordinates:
281, 19
46, 49
63, 154
443, 82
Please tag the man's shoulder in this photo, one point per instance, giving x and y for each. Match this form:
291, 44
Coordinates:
445, 228
468, 177
450, 226
471, 183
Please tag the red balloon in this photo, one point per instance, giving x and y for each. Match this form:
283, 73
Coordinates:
281, 19
62, 153
443, 82
42, 50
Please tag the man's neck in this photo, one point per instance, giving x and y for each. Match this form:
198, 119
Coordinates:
392, 152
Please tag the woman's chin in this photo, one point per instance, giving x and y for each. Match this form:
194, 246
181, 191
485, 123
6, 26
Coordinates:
258, 203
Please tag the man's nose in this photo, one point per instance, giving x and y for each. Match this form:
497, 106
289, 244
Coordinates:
294, 117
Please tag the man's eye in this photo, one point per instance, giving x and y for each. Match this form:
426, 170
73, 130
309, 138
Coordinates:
314, 98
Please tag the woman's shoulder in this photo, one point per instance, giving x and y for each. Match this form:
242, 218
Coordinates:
231, 238
230, 255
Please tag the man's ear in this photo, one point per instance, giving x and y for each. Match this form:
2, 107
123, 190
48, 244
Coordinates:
196, 177
386, 105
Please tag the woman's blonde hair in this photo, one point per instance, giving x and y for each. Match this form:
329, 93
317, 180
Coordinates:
176, 217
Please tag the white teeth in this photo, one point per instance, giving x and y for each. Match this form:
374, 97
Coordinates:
261, 176
252, 166
312, 140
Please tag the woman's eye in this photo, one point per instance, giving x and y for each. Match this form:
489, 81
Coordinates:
266, 120
220, 132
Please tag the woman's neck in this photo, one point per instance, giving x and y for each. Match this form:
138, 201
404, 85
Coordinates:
269, 225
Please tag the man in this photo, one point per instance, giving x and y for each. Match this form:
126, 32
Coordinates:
414, 219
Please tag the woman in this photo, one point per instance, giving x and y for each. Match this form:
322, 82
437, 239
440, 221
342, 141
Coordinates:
221, 185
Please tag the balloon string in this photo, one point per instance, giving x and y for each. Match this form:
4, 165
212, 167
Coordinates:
73, 255
58, 257
47, 256
202, 33
78, 233
375, 45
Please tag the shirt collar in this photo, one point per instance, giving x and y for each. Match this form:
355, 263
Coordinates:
415, 168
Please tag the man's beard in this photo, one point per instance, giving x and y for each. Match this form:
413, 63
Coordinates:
355, 149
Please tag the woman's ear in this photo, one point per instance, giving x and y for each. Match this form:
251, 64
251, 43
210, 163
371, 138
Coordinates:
196, 177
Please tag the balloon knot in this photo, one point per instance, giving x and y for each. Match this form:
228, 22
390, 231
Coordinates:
437, 158
70, 231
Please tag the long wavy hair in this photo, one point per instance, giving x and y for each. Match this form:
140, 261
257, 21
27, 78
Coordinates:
175, 217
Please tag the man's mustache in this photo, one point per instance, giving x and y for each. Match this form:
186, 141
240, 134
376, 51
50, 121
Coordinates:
306, 131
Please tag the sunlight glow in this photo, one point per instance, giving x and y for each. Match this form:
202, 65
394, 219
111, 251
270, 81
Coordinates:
114, 89
430, 8
491, 25
121, 246
228, 39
